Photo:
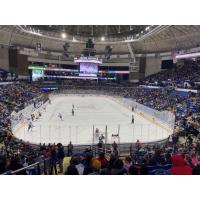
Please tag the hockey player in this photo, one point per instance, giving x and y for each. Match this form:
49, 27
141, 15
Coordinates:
30, 126
32, 117
60, 116
72, 112
34, 104
132, 121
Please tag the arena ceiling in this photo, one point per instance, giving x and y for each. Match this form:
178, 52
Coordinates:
91, 31
142, 38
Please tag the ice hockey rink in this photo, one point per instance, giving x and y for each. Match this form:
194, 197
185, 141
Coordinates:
91, 112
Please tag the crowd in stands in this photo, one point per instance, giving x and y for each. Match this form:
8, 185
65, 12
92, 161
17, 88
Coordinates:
18, 96
173, 157
185, 105
170, 158
15, 97
18, 154
181, 76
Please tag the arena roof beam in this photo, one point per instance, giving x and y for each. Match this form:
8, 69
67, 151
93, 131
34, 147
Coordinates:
154, 30
130, 48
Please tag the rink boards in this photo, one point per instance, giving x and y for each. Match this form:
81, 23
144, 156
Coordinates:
91, 112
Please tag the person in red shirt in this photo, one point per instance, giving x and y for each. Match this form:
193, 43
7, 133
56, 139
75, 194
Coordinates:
179, 166
103, 160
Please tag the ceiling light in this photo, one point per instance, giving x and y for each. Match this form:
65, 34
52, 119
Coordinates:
103, 38
74, 39
63, 35
147, 28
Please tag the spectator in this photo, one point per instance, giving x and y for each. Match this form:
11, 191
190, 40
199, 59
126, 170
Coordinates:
103, 160
79, 166
133, 170
96, 166
71, 170
179, 166
196, 170
54, 160
118, 168
87, 164
60, 155
127, 163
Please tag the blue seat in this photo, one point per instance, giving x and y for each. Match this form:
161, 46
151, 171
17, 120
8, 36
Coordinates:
151, 169
165, 167
160, 172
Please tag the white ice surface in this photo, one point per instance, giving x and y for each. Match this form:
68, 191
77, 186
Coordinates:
89, 111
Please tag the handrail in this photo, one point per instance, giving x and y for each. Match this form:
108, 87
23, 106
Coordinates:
24, 168
10, 172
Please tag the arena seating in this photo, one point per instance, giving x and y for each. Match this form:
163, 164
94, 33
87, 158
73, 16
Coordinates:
177, 77
142, 159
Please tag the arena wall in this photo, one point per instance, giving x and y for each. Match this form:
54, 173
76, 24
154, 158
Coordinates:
4, 59
153, 65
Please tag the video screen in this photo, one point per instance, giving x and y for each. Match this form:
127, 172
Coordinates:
88, 69
37, 74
